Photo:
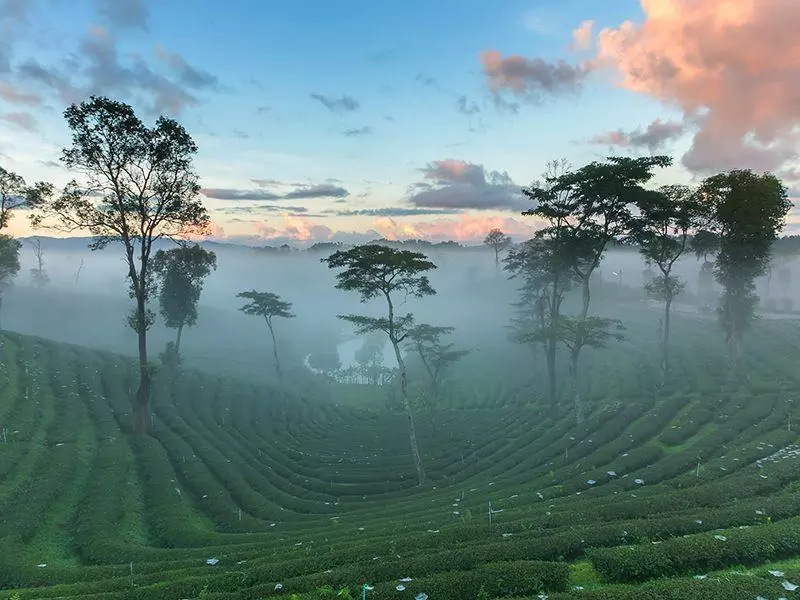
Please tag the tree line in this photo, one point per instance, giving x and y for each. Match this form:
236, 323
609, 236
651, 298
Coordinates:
136, 185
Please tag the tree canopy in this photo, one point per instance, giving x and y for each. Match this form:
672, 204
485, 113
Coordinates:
137, 185
181, 272
15, 193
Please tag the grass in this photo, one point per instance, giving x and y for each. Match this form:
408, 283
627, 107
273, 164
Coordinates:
307, 491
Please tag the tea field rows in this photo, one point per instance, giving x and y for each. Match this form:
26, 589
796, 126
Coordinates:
690, 490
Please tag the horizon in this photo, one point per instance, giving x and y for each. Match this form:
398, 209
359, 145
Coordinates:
418, 122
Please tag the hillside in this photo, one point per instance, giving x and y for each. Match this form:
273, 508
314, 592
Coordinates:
250, 492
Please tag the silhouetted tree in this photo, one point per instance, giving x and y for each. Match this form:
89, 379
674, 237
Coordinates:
748, 212
38, 274
374, 270
269, 306
593, 204
9, 262
703, 243
435, 356
181, 273
15, 193
138, 186
497, 241
546, 276
662, 229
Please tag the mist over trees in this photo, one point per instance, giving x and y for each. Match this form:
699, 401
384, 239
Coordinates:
136, 186
180, 273
268, 306
378, 271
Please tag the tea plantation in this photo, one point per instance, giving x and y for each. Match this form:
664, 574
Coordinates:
243, 491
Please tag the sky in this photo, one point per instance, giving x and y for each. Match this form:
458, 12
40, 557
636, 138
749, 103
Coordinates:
319, 121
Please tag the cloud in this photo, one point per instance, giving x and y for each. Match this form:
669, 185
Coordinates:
465, 228
392, 211
733, 65
15, 9
22, 120
12, 96
233, 210
653, 137
531, 78
427, 80
188, 75
123, 13
538, 21
321, 190
234, 194
466, 106
337, 105
455, 184
97, 69
582, 36
358, 131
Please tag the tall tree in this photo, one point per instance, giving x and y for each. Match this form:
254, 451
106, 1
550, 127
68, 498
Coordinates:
748, 213
497, 241
544, 265
181, 273
546, 276
436, 357
269, 306
9, 262
15, 193
138, 185
666, 219
38, 273
373, 271
593, 207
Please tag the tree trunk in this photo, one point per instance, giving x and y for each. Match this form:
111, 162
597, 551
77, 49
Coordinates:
576, 351
576, 392
665, 342
412, 431
551, 374
141, 406
178, 339
275, 351
496, 258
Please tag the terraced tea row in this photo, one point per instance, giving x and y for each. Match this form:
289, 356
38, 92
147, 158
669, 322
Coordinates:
241, 488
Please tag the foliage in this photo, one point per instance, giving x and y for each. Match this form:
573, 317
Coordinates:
703, 243
747, 213
138, 186
662, 230
586, 209
15, 193
181, 272
374, 270
268, 305
265, 304
497, 241
435, 356
9, 259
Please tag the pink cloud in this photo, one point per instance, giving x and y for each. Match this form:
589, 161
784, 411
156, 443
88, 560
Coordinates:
464, 228
733, 65
582, 36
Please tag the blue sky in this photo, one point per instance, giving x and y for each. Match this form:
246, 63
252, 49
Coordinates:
337, 109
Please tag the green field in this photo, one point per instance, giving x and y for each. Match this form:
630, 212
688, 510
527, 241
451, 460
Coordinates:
691, 490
